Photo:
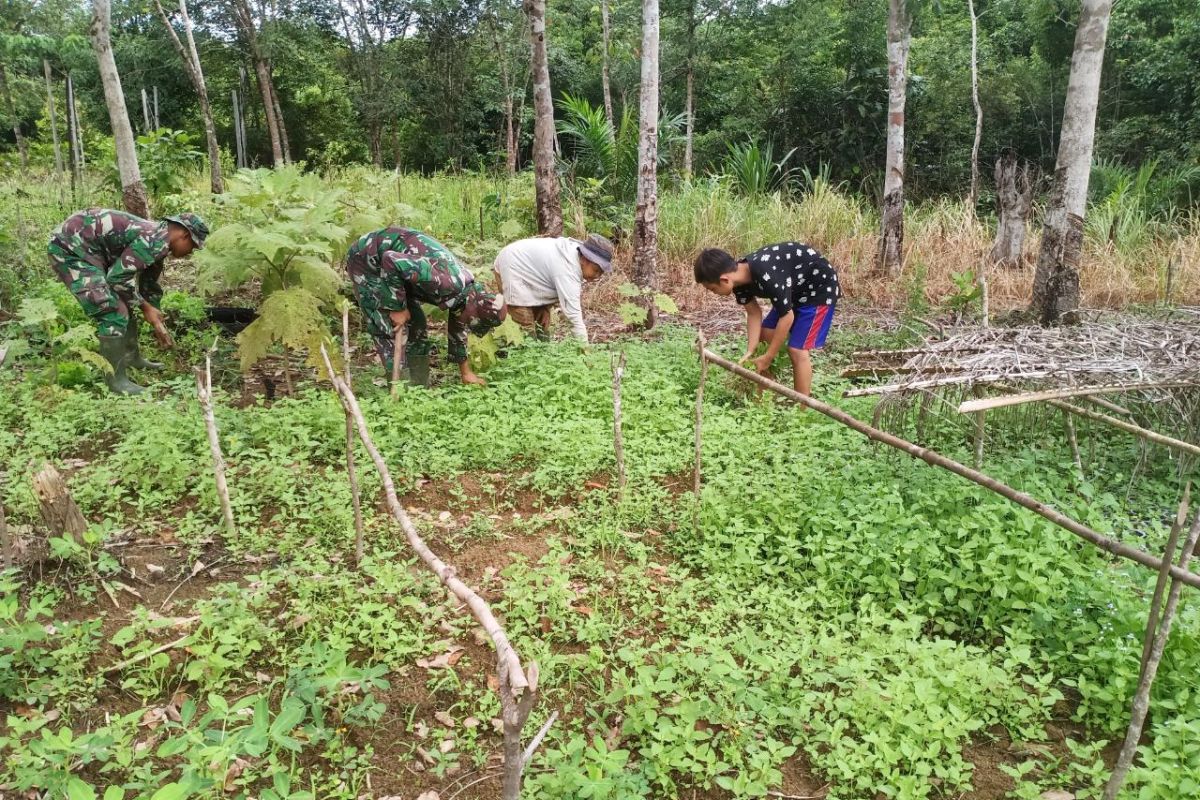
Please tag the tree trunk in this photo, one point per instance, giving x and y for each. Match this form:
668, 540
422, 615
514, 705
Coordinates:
1014, 196
1056, 283
246, 26
239, 130
145, 112
645, 221
58, 508
279, 121
549, 207
58, 159
891, 241
974, 196
133, 192
606, 33
191, 65
689, 110
73, 134
11, 111
510, 137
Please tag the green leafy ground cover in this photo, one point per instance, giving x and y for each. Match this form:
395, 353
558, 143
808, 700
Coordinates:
842, 615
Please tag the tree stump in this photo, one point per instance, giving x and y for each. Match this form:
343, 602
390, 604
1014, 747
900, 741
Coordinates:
1014, 196
58, 508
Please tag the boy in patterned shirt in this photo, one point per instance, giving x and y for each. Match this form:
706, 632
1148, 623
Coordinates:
800, 285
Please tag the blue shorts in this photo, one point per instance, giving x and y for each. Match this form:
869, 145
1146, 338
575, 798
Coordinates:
810, 326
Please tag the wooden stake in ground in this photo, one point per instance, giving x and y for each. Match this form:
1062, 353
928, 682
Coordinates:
204, 392
1162, 630
937, 459
700, 342
518, 687
355, 496
618, 372
5, 539
398, 354
1072, 439
58, 508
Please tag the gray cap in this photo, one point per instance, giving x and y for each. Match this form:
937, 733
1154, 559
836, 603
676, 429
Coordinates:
598, 250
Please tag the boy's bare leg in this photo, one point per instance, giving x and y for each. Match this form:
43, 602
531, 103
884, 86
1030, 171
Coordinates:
801, 370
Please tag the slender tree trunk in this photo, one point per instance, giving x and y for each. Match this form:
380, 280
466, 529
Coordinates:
133, 192
239, 132
246, 26
645, 221
157, 123
1014, 196
974, 196
58, 159
549, 207
1056, 284
891, 242
689, 110
145, 112
191, 65
76, 139
279, 121
606, 34
11, 111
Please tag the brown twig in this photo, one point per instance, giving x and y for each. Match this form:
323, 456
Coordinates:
140, 657
937, 459
518, 687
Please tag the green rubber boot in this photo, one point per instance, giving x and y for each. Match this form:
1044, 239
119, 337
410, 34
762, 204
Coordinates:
418, 369
117, 351
131, 337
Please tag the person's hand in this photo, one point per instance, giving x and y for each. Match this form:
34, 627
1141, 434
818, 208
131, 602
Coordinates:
399, 318
762, 364
748, 355
159, 323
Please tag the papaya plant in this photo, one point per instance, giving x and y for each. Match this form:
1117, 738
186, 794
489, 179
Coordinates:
285, 239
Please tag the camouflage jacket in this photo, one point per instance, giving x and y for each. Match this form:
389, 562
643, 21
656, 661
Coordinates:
414, 266
130, 249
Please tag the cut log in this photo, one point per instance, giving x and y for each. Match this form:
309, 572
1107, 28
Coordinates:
58, 508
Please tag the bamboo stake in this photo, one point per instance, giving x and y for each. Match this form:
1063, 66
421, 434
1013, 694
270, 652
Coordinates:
5, 539
204, 391
937, 459
618, 371
1141, 700
1168, 555
1136, 430
1071, 438
1054, 394
398, 355
355, 496
700, 342
518, 687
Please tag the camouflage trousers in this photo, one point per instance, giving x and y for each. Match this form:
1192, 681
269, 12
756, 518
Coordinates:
88, 283
370, 295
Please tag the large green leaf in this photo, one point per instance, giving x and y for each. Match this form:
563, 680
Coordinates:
291, 317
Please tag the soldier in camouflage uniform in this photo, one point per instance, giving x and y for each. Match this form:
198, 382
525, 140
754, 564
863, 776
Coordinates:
396, 269
112, 261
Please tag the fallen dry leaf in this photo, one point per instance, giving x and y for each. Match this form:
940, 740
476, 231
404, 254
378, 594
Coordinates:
445, 719
497, 725
585, 610
443, 661
421, 730
446, 746
197, 568
493, 683
470, 722
1057, 794
430, 795
235, 769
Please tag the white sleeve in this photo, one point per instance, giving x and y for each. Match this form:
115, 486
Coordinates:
569, 286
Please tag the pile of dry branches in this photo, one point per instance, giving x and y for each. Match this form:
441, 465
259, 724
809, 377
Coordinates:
1145, 370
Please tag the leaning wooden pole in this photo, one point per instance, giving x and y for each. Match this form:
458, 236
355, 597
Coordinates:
618, 372
1141, 699
937, 459
518, 686
204, 391
355, 495
1129, 427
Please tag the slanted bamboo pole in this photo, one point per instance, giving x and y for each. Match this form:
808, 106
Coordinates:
1129, 427
1050, 394
518, 686
937, 459
1141, 699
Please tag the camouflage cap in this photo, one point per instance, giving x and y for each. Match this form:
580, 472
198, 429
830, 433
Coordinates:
484, 310
194, 224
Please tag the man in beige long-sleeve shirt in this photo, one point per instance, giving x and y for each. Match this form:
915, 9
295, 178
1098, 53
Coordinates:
537, 274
